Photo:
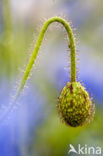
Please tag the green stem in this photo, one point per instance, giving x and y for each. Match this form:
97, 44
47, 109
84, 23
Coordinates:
71, 45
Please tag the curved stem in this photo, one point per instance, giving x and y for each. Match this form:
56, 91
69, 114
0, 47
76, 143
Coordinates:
71, 45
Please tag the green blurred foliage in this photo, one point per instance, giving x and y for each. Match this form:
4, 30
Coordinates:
13, 42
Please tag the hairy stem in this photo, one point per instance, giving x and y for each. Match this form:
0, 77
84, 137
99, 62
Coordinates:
71, 45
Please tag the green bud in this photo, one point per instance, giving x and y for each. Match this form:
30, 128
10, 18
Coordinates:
75, 106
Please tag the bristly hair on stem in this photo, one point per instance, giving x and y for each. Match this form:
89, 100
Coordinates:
71, 45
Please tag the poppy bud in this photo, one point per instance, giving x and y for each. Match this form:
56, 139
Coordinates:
75, 106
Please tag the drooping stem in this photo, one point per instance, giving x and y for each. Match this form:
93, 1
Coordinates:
71, 45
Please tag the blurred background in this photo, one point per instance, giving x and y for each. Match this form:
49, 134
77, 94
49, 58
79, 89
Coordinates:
32, 127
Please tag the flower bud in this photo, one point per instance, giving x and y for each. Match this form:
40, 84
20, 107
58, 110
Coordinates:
75, 106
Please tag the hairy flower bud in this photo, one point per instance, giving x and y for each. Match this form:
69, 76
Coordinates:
75, 105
